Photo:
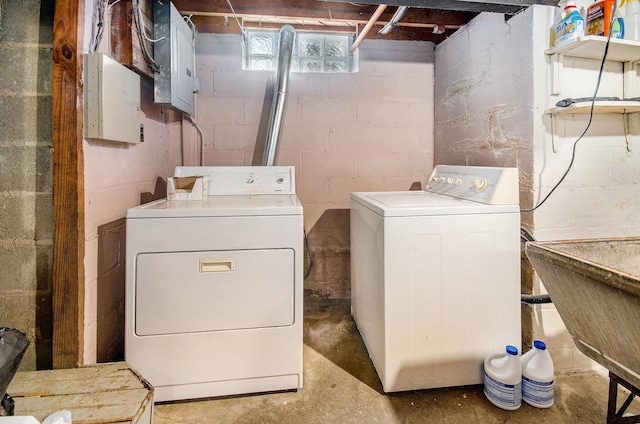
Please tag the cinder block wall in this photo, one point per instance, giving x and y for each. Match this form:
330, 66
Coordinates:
492, 82
366, 131
26, 36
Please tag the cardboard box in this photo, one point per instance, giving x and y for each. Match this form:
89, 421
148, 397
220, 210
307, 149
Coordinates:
187, 188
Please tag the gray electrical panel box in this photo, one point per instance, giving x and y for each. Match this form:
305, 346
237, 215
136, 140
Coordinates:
174, 51
111, 100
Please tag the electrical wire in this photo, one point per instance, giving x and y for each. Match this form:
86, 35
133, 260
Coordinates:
593, 101
306, 243
142, 35
98, 24
244, 34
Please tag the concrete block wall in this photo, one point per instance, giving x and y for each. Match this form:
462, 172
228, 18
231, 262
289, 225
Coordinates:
366, 131
493, 77
26, 37
600, 198
119, 176
116, 175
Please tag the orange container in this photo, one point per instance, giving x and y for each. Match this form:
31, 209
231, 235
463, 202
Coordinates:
599, 17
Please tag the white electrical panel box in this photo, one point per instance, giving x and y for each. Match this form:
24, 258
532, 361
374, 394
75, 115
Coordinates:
111, 100
175, 84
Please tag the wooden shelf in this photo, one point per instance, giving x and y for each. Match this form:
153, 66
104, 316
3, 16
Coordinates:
599, 107
592, 47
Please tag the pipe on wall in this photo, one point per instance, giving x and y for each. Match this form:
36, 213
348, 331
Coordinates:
285, 53
368, 26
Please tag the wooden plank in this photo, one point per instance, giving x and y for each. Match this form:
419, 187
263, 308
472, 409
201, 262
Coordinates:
365, 6
68, 185
125, 41
599, 107
509, 7
215, 17
105, 393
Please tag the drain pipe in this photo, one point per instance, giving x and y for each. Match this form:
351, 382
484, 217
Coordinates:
285, 53
532, 299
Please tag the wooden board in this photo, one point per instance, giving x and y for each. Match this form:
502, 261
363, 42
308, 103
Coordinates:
104, 393
125, 41
599, 107
68, 184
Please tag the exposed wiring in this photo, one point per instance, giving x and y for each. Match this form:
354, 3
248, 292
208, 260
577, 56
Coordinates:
98, 24
244, 34
593, 102
306, 243
112, 4
142, 35
200, 134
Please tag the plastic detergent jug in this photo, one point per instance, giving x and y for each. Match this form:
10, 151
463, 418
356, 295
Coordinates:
599, 20
503, 379
537, 376
631, 19
571, 26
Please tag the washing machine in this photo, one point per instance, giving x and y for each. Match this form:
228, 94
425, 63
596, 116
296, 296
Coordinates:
214, 286
435, 276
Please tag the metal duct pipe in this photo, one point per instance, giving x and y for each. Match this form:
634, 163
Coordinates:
285, 52
394, 20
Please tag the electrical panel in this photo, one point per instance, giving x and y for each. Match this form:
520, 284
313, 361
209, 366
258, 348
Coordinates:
175, 84
111, 100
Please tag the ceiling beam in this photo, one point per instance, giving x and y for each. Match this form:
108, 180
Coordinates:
509, 7
215, 16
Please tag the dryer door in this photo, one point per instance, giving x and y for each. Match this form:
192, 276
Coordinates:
186, 292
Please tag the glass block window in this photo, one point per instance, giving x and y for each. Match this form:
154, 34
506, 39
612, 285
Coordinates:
312, 51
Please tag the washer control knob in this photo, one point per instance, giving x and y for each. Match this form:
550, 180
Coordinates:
480, 184
250, 180
280, 180
450, 180
458, 181
441, 179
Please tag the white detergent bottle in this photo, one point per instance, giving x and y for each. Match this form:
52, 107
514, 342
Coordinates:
537, 376
503, 378
571, 26
631, 19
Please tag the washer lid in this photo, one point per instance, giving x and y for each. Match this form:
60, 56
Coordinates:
420, 203
258, 205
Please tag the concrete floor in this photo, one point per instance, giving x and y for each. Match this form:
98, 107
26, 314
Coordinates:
341, 386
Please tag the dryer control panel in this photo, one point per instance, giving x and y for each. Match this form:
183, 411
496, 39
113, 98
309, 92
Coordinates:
243, 180
488, 185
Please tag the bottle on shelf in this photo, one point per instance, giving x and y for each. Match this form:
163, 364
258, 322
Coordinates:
631, 19
571, 25
599, 20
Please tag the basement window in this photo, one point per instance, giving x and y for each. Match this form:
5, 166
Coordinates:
312, 52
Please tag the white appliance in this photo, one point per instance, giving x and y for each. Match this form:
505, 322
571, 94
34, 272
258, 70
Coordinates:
214, 286
435, 276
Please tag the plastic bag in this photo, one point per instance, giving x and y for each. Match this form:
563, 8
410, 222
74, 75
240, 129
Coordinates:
13, 344
60, 417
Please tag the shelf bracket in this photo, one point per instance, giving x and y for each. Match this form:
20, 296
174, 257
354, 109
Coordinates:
555, 69
631, 87
553, 136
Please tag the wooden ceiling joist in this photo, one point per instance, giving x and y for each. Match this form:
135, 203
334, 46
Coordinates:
215, 16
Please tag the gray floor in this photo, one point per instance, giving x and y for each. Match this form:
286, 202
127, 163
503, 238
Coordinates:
341, 386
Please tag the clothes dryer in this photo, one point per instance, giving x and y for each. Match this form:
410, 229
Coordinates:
435, 276
214, 286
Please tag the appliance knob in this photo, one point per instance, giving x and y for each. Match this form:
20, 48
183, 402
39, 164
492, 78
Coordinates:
481, 184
